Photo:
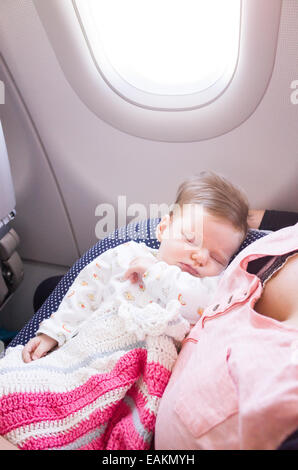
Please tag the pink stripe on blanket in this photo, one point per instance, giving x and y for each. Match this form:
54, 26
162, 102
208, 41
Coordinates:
132, 424
147, 417
121, 432
156, 377
39, 407
27, 407
63, 438
125, 436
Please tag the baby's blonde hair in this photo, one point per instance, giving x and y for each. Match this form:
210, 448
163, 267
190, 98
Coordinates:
218, 196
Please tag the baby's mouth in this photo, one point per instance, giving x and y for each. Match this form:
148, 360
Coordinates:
188, 268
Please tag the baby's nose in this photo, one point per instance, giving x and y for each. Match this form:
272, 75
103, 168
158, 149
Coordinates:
200, 256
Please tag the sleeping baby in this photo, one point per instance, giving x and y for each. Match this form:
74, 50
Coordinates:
197, 240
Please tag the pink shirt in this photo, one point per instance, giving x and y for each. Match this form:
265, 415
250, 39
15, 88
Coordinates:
237, 386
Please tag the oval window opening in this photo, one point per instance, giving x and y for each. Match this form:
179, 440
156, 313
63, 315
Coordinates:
173, 54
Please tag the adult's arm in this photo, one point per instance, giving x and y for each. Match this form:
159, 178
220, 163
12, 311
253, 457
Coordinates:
271, 219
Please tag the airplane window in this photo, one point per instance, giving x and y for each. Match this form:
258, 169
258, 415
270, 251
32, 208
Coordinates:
172, 54
166, 70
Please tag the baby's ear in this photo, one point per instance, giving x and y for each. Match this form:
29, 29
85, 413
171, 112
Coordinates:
162, 226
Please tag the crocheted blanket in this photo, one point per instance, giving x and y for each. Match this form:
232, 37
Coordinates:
100, 390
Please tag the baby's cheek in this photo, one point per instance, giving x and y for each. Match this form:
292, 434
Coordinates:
213, 270
173, 249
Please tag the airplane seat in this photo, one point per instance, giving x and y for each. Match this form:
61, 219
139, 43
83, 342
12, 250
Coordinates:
11, 272
43, 291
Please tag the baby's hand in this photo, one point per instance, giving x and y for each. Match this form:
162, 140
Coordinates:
38, 347
138, 267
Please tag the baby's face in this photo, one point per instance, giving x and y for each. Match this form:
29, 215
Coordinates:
197, 242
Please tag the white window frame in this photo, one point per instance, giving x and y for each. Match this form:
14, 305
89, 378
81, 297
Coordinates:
258, 42
198, 96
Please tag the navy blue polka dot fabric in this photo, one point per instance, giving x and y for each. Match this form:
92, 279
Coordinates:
252, 236
143, 231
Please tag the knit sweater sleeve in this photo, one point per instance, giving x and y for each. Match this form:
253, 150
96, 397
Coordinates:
82, 299
167, 282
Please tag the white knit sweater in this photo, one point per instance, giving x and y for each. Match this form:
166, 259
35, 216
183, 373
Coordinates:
100, 288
